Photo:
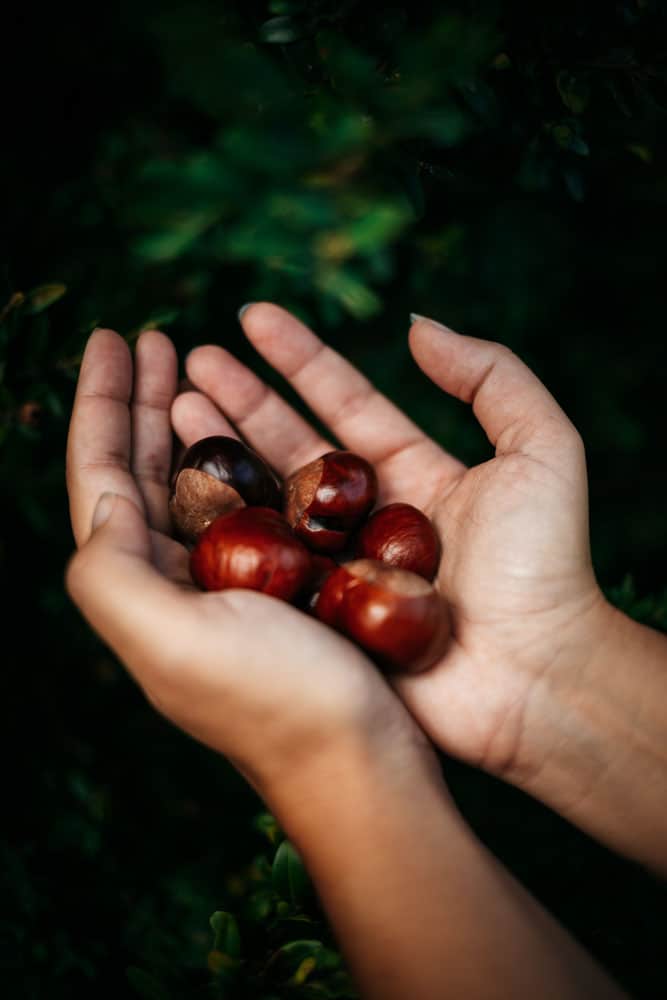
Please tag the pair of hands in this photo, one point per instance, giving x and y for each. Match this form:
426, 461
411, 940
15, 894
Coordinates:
260, 681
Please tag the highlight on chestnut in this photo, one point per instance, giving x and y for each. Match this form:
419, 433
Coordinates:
252, 548
298, 545
216, 476
400, 535
326, 499
392, 613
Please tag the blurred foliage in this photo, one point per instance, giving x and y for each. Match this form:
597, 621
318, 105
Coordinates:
274, 946
497, 166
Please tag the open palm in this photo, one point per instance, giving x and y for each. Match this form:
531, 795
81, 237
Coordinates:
245, 673
516, 565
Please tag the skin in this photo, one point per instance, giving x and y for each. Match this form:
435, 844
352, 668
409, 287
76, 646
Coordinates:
235, 669
535, 688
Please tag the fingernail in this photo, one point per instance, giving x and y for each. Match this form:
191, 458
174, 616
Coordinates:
103, 509
414, 317
243, 309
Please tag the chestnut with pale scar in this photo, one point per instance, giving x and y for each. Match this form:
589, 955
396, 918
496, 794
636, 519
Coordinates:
384, 602
394, 614
326, 499
218, 475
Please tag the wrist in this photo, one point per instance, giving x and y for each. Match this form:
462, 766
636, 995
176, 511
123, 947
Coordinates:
410, 893
330, 784
564, 675
594, 747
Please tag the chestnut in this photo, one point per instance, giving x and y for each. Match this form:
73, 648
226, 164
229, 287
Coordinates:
400, 535
217, 475
252, 548
326, 499
393, 614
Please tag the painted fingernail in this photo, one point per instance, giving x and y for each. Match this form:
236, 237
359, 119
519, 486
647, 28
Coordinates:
103, 509
243, 309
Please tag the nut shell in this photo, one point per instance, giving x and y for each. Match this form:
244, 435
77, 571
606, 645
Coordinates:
400, 535
216, 476
252, 548
393, 614
326, 499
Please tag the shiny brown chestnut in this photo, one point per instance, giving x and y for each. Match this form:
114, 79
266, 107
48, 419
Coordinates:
217, 475
326, 499
393, 614
400, 535
252, 548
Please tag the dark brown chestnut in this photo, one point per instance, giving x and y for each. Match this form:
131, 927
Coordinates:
400, 535
393, 614
217, 475
326, 499
252, 548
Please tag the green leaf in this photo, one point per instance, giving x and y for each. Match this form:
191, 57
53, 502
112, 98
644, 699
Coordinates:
282, 30
304, 970
226, 937
16, 300
44, 296
266, 824
258, 906
290, 878
642, 152
175, 241
350, 291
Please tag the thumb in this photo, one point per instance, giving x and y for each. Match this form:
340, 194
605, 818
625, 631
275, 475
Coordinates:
515, 409
122, 525
117, 589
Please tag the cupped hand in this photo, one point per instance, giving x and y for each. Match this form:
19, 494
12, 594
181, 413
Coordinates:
247, 674
516, 567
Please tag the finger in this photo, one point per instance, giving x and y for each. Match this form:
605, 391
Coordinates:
171, 559
194, 416
155, 385
136, 611
266, 421
361, 417
515, 409
99, 440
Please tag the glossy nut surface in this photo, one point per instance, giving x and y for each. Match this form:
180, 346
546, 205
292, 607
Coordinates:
216, 476
400, 535
252, 548
393, 614
326, 499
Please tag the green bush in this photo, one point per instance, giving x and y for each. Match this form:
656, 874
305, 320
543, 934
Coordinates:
499, 168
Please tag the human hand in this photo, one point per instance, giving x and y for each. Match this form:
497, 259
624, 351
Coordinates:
516, 566
246, 674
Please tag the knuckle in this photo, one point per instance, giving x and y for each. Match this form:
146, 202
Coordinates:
575, 438
506, 355
76, 572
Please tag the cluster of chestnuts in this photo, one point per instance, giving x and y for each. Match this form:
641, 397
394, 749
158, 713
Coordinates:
245, 529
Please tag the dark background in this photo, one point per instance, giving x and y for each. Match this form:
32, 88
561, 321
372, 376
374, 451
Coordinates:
163, 163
